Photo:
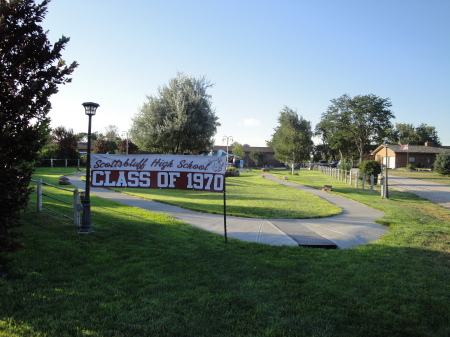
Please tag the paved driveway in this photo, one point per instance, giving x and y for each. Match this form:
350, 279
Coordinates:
436, 193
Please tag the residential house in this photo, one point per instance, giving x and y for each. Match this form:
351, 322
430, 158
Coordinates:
82, 147
401, 155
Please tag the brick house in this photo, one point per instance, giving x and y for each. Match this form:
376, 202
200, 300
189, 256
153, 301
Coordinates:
269, 158
400, 156
82, 147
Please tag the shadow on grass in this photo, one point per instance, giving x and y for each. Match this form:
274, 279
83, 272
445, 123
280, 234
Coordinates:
271, 211
163, 278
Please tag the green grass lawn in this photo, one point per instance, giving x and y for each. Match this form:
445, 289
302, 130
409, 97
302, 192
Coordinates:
146, 274
249, 195
423, 175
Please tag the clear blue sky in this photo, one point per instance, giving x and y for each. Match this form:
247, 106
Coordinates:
261, 55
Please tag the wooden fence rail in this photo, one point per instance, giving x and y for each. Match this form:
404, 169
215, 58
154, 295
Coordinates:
77, 207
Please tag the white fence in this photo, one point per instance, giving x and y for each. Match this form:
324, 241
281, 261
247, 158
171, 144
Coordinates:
352, 178
76, 206
65, 162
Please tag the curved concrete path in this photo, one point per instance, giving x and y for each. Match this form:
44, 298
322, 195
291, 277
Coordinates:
354, 227
434, 192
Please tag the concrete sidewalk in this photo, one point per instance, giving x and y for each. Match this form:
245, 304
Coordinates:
354, 227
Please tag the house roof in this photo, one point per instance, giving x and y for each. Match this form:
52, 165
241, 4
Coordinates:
413, 149
219, 153
245, 148
83, 146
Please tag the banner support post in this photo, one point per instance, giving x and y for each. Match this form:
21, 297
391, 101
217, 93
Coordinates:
225, 210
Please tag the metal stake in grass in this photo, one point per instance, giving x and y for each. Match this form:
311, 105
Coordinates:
225, 210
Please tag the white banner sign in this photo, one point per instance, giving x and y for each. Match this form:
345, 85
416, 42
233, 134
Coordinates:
203, 173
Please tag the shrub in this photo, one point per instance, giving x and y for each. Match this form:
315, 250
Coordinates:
345, 165
442, 164
370, 167
83, 159
232, 172
410, 167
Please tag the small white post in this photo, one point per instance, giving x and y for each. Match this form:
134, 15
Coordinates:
39, 195
76, 209
371, 183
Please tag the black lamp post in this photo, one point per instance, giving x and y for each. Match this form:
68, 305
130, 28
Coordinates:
386, 190
89, 108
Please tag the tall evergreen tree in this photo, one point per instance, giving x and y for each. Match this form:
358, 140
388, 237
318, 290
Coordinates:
31, 69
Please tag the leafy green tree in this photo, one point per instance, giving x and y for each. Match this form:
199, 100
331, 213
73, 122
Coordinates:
179, 119
427, 133
66, 142
31, 69
238, 151
81, 136
101, 146
105, 146
292, 140
257, 156
408, 134
96, 135
319, 152
404, 134
49, 151
112, 133
442, 164
107, 142
132, 148
335, 142
345, 164
355, 123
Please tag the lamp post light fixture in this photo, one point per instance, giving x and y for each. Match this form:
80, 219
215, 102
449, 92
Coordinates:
227, 138
386, 188
126, 134
90, 109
